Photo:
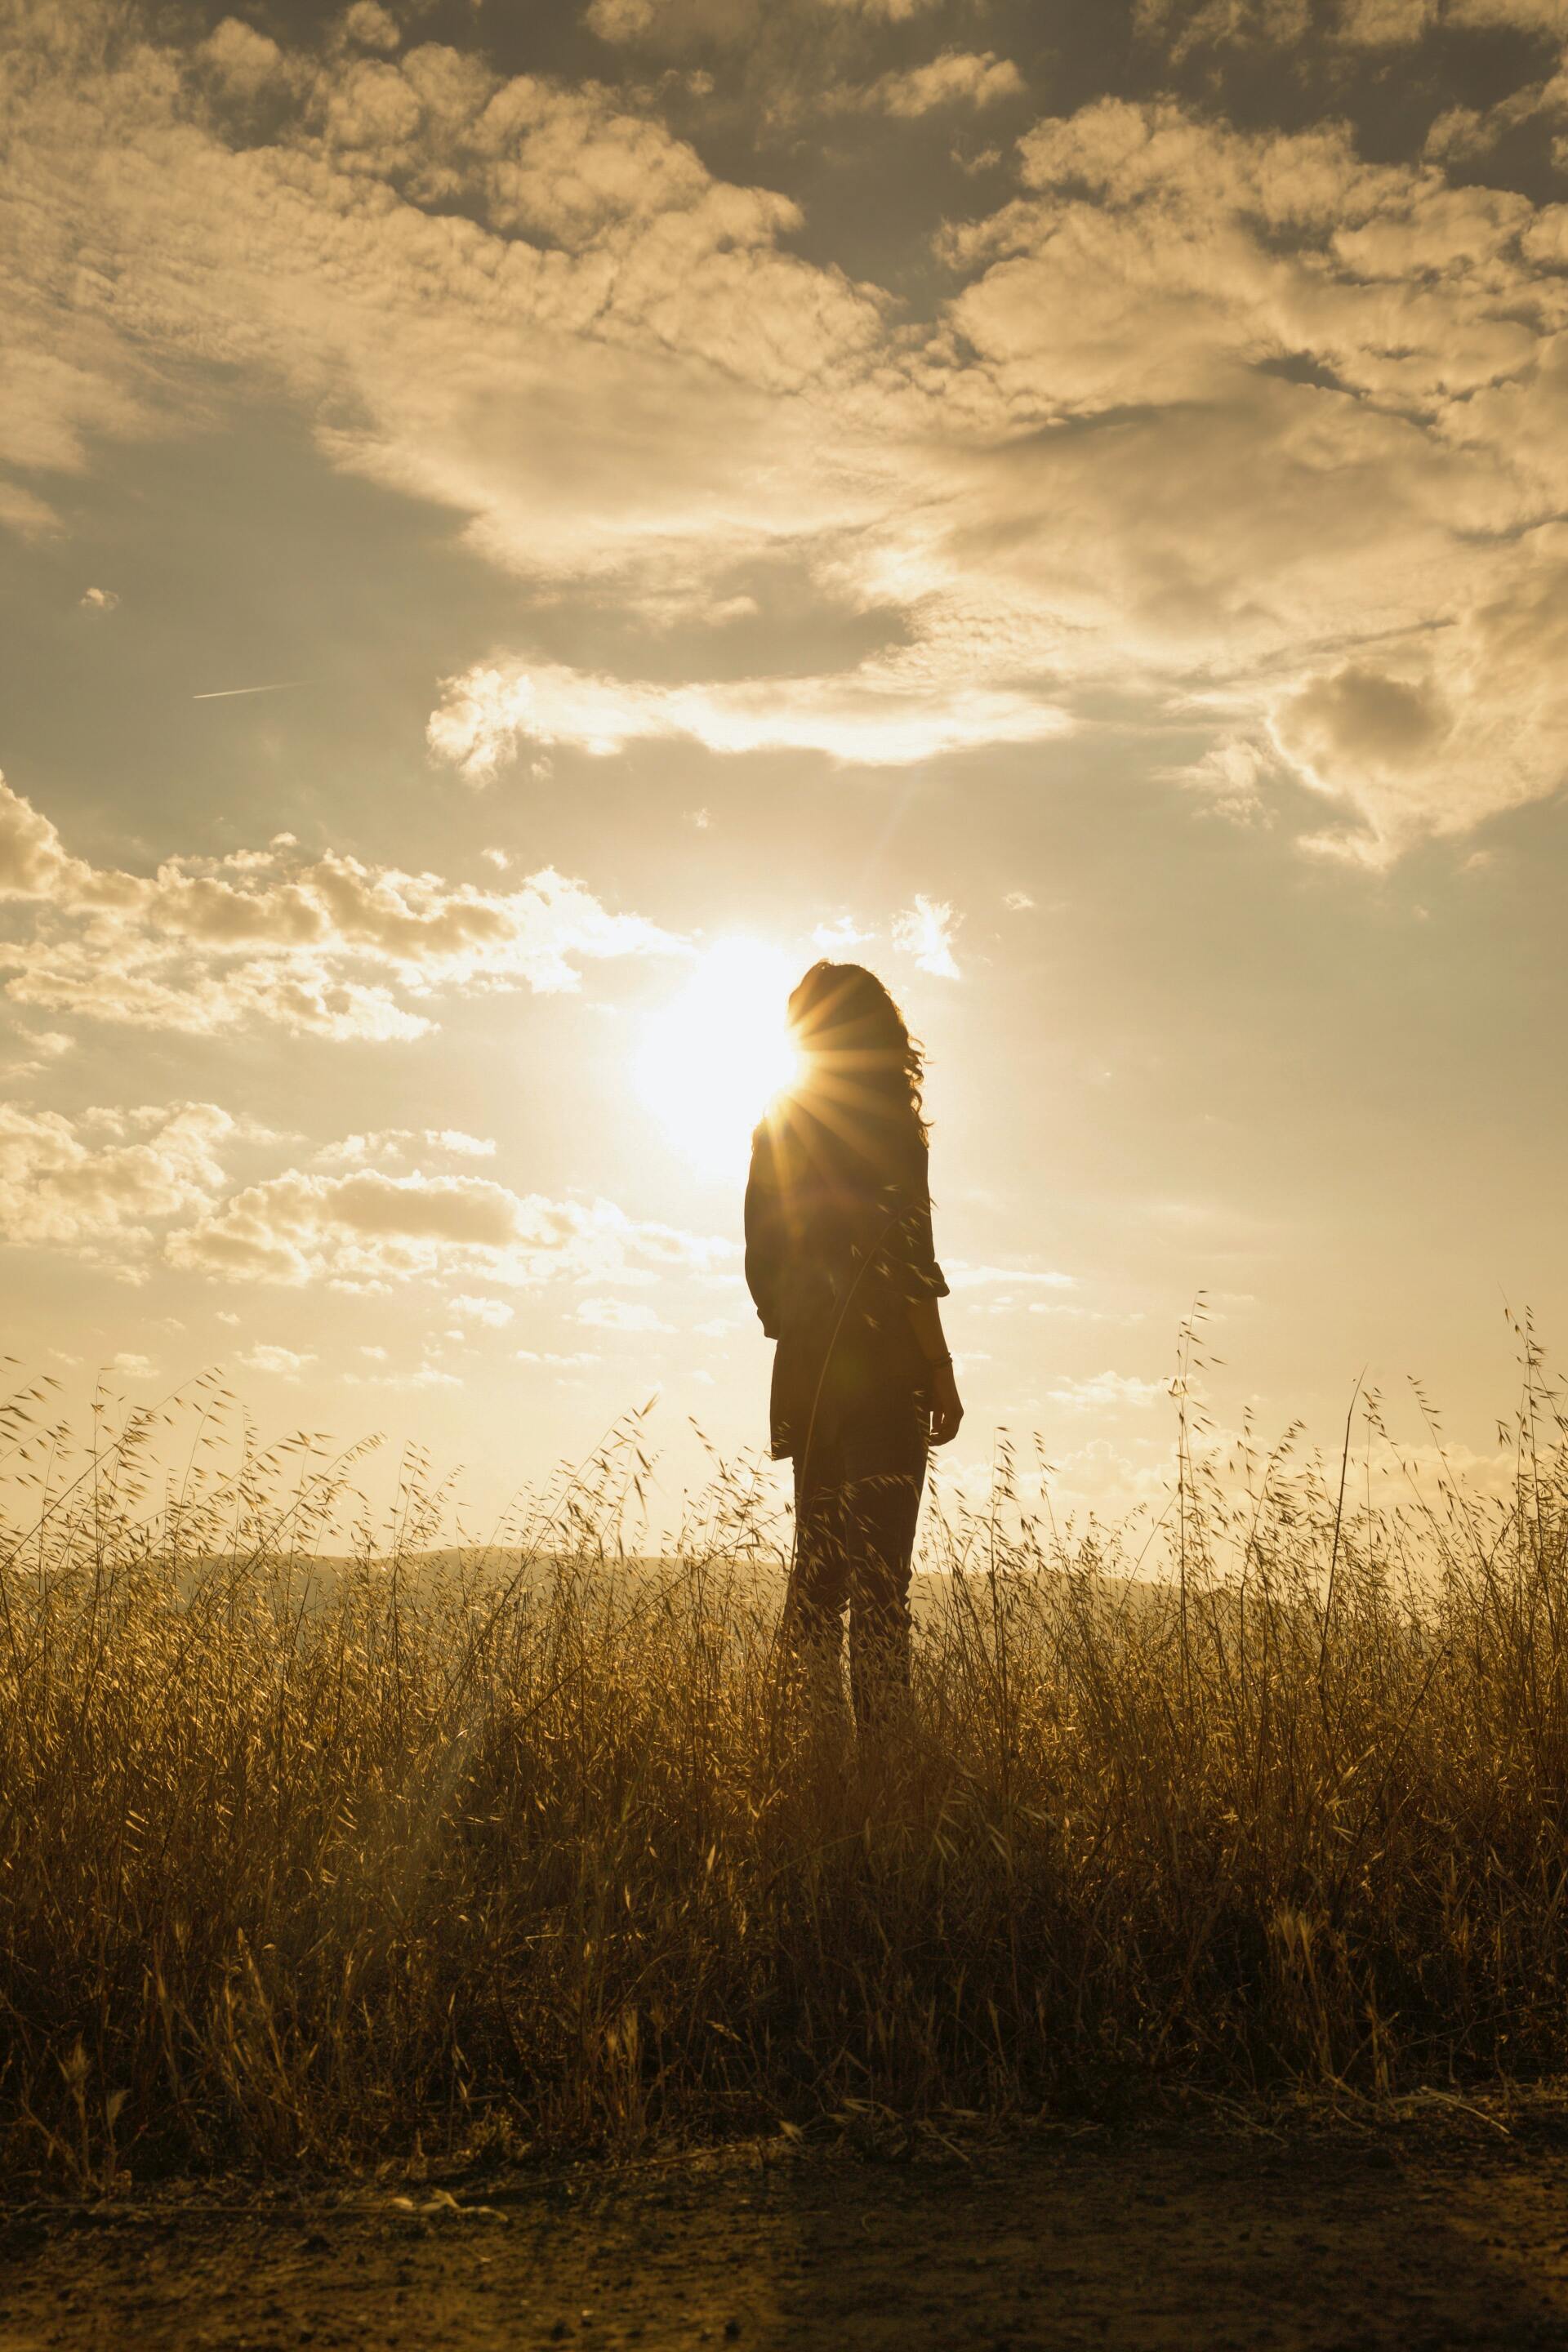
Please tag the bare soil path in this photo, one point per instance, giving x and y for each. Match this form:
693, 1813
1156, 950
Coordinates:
1418, 2239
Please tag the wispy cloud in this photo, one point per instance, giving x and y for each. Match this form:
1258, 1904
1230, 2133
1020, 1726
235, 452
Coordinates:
962, 1277
286, 1363
886, 714
1107, 1392
925, 931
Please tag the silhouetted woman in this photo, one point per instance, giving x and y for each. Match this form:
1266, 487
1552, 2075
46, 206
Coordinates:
840, 1263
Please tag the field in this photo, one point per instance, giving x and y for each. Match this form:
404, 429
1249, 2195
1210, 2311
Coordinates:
1422, 2235
331, 1845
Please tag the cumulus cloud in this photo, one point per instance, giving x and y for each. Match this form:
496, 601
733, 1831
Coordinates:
371, 26
925, 931
330, 947
97, 1184
370, 1230
959, 78
589, 270
98, 600
1473, 721
548, 315
1358, 717
1387, 349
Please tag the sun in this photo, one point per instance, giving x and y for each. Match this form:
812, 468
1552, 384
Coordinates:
709, 1061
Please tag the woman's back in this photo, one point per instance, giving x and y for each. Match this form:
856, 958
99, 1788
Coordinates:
838, 1245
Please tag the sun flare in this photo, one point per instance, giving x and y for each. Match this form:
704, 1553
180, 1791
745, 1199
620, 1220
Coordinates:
710, 1060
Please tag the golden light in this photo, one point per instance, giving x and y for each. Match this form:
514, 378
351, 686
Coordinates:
710, 1061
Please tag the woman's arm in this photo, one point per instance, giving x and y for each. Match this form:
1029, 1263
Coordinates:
764, 1233
946, 1410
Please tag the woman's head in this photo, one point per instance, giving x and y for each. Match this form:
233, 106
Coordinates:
855, 1044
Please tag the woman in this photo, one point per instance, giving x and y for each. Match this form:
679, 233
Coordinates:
841, 1263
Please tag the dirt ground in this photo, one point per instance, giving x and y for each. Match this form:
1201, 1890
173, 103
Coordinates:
1415, 2239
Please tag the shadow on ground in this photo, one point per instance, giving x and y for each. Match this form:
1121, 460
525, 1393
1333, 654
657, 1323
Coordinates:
1154, 2242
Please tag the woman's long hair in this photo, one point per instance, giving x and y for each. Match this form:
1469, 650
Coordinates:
856, 1048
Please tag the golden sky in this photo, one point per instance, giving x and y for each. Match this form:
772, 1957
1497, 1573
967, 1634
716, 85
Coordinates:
519, 528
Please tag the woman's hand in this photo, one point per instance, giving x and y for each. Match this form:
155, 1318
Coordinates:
946, 1407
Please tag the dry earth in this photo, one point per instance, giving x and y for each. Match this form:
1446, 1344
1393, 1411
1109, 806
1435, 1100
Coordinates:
1424, 2237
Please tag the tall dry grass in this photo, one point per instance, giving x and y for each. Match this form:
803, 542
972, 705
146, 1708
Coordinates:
530, 1846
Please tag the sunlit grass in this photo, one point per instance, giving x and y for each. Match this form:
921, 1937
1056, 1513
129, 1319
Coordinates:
529, 1848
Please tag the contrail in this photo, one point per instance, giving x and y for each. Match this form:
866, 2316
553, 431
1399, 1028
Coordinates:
222, 693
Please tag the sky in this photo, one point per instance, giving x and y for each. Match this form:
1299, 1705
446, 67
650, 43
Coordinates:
522, 528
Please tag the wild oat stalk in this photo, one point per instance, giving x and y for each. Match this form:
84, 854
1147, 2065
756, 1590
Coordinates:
322, 1840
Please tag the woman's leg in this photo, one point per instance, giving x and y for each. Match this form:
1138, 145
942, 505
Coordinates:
884, 1472
819, 1578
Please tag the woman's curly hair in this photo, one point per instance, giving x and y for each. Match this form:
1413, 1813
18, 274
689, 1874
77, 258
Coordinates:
858, 1042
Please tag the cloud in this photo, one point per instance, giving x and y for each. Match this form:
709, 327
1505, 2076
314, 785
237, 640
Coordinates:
1381, 354
283, 1361
1474, 720
329, 948
1467, 135
1359, 719
967, 1277
98, 600
39, 1048
885, 12
1106, 1392
925, 931
131, 1366
882, 714
97, 1184
1526, 16
959, 78
675, 24
373, 27
1356, 24
23, 512
403, 1143
841, 937
1380, 24
625, 382
372, 1231
496, 1313
619, 1315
